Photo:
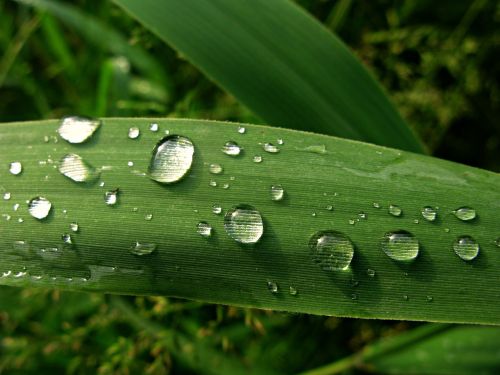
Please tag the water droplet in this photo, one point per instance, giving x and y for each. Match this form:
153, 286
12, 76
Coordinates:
216, 209
225, 186
332, 250
172, 159
277, 192
465, 213
280, 141
329, 207
134, 132
67, 238
15, 168
376, 205
243, 223
269, 147
15, 207
215, 168
400, 245
74, 227
430, 299
395, 210
257, 159
111, 197
148, 217
231, 148
352, 221
6, 196
76, 129
153, 127
466, 248
405, 297
447, 230
497, 242
20, 220
212, 183
429, 213
77, 169
316, 149
314, 214
204, 229
143, 248
130, 163
242, 130
39, 207
6, 217
362, 216
293, 291
370, 272
354, 296
273, 287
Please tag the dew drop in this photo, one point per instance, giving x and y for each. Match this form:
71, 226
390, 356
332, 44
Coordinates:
134, 132
354, 296
370, 272
273, 287
352, 221
277, 192
362, 216
77, 169
231, 148
293, 291
376, 205
225, 186
497, 242
39, 207
405, 297
466, 248
153, 127
215, 168
6, 196
280, 141
67, 238
204, 229
130, 163
216, 209
400, 245
74, 227
395, 210
148, 217
242, 130
465, 213
75, 129
243, 223
430, 299
143, 248
15, 168
111, 197
429, 213
257, 159
172, 159
212, 183
15, 207
329, 207
332, 250
272, 149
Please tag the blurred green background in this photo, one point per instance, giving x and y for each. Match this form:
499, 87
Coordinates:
437, 59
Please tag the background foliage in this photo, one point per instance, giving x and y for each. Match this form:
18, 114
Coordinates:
436, 59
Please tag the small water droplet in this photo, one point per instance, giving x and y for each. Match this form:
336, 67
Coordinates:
148, 217
231, 148
466, 248
332, 250
134, 132
280, 141
6, 196
39, 207
74, 227
130, 163
400, 245
111, 197
215, 168
153, 127
416, 221
172, 159
293, 291
216, 209
277, 192
314, 214
242, 130
20, 220
257, 159
204, 229
269, 147
101, 184
77, 169
143, 248
329, 207
405, 297
67, 238
395, 210
429, 213
243, 223
376, 205
354, 296
370, 272
465, 213
352, 221
362, 216
497, 242
212, 183
15, 168
6, 217
75, 129
430, 299
316, 149
15, 207
273, 287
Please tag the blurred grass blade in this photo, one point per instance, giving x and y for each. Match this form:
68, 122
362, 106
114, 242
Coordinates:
281, 63
359, 181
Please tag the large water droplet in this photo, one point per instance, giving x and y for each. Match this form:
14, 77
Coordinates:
134, 132
143, 248
332, 250
400, 245
204, 229
39, 207
111, 197
172, 159
244, 224
466, 248
76, 129
269, 147
15, 168
465, 213
429, 213
77, 169
215, 168
277, 192
395, 210
231, 148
